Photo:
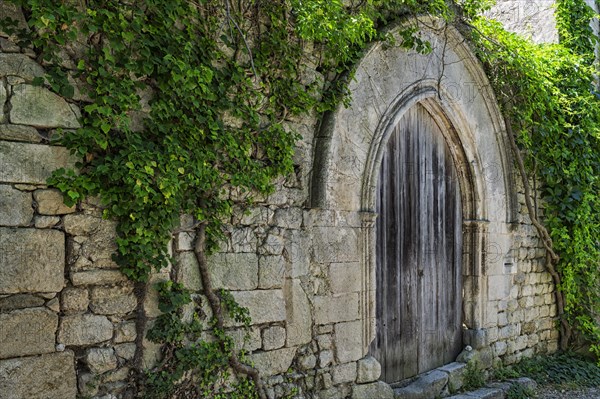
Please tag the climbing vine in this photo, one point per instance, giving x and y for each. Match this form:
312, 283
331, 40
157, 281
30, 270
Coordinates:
549, 97
184, 105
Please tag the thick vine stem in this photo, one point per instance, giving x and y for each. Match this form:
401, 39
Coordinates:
552, 257
215, 305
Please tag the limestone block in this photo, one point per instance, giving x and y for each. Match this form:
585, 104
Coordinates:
298, 314
15, 207
348, 341
100, 360
273, 337
50, 202
344, 373
333, 309
39, 107
429, 385
125, 332
81, 224
17, 132
271, 271
272, 245
335, 244
20, 301
45, 222
375, 390
112, 300
151, 300
188, 272
288, 218
345, 277
456, 372
125, 351
248, 340
3, 97
31, 163
20, 65
39, 377
264, 305
27, 332
74, 300
325, 341
234, 271
84, 329
273, 362
297, 245
307, 362
369, 370
244, 240
31, 260
97, 277
325, 359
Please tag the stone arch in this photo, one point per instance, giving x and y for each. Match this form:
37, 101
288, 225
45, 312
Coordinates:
451, 84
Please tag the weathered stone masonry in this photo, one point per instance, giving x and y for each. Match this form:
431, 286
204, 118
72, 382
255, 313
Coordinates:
301, 260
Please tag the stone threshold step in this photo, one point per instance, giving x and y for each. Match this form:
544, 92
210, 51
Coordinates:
496, 390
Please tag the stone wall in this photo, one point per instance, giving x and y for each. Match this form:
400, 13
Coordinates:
300, 259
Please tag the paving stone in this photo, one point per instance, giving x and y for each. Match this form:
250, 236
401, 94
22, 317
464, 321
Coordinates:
374, 390
429, 385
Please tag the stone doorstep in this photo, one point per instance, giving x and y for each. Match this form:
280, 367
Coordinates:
496, 390
432, 384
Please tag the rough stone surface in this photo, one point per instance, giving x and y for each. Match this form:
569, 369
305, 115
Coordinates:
20, 301
273, 338
21, 162
39, 107
85, 329
17, 132
273, 362
74, 300
334, 309
45, 222
344, 373
31, 260
15, 207
97, 277
27, 332
345, 277
369, 370
81, 224
375, 390
125, 351
20, 65
50, 202
125, 332
234, 271
271, 272
348, 341
112, 300
298, 314
100, 360
456, 372
429, 385
264, 306
39, 377
3, 97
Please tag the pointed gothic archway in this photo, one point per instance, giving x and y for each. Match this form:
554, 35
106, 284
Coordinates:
451, 86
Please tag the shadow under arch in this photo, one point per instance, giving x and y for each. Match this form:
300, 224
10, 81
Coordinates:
351, 142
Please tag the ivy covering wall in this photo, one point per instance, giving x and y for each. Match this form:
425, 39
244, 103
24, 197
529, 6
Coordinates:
186, 104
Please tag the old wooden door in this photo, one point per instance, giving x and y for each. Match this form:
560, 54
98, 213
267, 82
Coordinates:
419, 245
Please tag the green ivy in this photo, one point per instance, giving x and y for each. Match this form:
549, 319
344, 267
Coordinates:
549, 94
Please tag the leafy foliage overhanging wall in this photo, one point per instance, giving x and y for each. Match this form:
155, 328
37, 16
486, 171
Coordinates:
188, 102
